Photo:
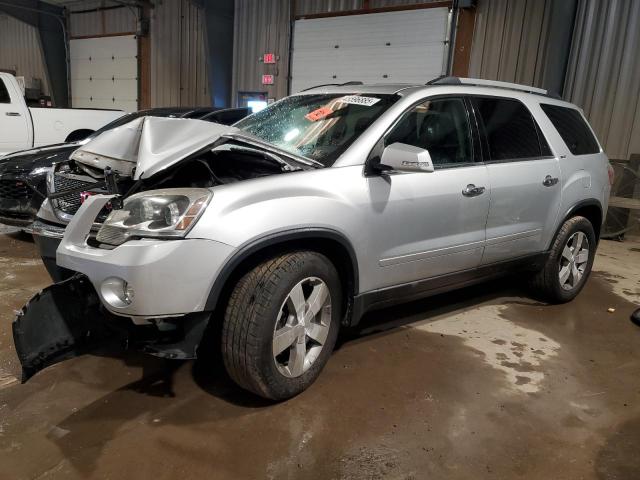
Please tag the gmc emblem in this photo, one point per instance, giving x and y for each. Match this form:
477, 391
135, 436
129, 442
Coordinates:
85, 195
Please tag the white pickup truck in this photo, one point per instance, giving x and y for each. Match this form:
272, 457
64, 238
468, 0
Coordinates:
23, 127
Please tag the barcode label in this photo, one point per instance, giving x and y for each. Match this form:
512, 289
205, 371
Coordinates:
358, 100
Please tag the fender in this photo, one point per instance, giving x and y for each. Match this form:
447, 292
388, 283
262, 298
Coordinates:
254, 246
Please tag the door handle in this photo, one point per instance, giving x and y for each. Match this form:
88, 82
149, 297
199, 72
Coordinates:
472, 191
12, 114
549, 181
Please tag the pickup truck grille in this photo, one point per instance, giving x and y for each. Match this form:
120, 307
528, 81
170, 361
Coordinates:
15, 190
69, 203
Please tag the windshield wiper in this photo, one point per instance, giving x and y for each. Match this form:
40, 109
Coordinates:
258, 142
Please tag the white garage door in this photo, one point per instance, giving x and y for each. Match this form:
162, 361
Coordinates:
391, 47
104, 73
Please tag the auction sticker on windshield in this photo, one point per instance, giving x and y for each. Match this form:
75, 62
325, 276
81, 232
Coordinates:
318, 114
358, 100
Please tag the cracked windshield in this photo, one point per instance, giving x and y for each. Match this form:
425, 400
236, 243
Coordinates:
319, 127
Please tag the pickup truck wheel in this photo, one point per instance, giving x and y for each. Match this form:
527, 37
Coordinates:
569, 263
281, 324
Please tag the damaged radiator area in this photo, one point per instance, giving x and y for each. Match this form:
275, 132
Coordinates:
74, 181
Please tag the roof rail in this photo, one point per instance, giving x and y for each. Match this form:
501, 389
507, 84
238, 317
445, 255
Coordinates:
345, 84
444, 80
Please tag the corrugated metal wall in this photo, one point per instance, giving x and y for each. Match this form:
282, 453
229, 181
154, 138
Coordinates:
178, 55
508, 40
262, 26
20, 50
120, 19
604, 72
308, 7
512, 43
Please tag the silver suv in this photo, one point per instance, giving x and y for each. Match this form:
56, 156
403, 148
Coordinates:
272, 234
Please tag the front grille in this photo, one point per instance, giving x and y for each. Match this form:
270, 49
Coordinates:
15, 190
70, 203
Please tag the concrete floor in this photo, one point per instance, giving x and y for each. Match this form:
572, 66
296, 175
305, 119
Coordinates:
480, 383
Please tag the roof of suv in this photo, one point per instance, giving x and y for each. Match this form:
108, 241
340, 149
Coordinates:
468, 84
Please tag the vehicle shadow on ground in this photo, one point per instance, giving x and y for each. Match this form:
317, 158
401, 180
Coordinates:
388, 319
18, 235
154, 393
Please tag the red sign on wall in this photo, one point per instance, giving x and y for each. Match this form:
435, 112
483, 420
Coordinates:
269, 58
267, 79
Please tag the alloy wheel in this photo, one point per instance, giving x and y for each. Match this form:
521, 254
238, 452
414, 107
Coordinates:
573, 261
302, 327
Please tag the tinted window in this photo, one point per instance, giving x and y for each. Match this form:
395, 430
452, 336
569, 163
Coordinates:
4, 95
509, 128
441, 126
572, 128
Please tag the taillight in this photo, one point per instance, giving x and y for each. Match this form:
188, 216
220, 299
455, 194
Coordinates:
612, 174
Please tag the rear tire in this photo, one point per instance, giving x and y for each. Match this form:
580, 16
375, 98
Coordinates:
281, 324
569, 262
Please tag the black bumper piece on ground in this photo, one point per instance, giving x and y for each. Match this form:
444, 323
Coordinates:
61, 322
66, 320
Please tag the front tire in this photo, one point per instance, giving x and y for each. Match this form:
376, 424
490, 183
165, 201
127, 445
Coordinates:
569, 263
281, 324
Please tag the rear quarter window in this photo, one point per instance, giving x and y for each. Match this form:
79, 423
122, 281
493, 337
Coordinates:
572, 128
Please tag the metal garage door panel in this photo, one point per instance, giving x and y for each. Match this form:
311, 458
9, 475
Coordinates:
391, 47
104, 72
97, 93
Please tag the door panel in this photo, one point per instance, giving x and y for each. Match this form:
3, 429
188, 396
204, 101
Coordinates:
522, 208
425, 226
15, 131
524, 178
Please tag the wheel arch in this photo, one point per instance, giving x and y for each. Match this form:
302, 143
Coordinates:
591, 209
330, 243
79, 134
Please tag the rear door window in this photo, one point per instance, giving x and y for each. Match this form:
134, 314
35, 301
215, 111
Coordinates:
510, 130
4, 94
572, 128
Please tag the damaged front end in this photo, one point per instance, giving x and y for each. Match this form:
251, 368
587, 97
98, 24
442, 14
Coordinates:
130, 197
67, 319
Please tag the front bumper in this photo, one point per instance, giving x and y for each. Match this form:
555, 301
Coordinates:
168, 277
47, 238
19, 206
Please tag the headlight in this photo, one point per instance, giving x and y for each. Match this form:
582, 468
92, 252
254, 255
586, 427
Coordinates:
50, 179
159, 213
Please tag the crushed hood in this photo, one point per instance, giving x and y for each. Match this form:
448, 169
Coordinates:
149, 144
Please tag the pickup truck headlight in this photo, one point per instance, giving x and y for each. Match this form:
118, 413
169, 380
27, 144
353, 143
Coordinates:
37, 172
161, 213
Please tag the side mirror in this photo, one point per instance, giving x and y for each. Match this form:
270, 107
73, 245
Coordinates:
400, 157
